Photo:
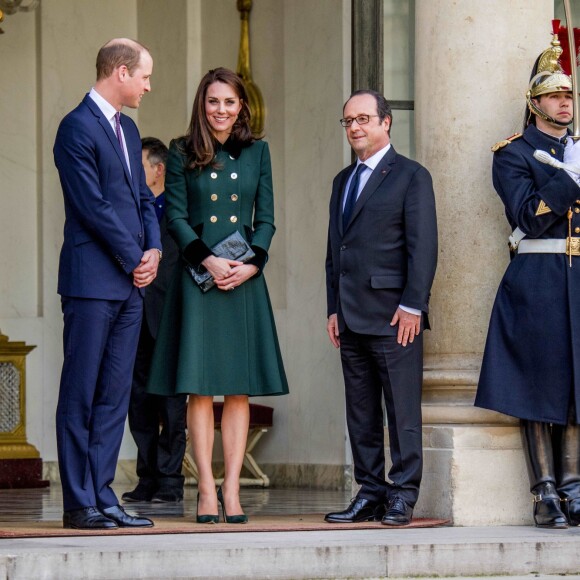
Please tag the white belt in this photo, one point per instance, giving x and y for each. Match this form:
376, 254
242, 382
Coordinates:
550, 246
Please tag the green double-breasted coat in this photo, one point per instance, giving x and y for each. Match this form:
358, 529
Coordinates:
219, 343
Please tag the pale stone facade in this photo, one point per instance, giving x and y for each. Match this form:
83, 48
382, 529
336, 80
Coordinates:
472, 65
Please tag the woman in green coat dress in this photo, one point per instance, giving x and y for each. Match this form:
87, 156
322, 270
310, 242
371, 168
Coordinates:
222, 342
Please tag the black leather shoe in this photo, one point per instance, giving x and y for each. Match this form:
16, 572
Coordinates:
547, 512
399, 513
571, 509
167, 495
88, 518
141, 493
124, 520
359, 510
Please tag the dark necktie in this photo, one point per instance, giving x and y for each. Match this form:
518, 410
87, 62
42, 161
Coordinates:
351, 195
118, 130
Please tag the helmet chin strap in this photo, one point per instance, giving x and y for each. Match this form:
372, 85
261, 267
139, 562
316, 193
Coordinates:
537, 111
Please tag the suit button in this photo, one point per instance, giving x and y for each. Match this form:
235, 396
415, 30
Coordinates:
213, 219
233, 219
214, 197
577, 230
577, 210
343, 273
213, 175
342, 248
234, 197
140, 234
234, 175
578, 201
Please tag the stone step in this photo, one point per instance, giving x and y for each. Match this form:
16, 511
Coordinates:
451, 552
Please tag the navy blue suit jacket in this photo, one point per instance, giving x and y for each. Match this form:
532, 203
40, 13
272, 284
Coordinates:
110, 218
387, 254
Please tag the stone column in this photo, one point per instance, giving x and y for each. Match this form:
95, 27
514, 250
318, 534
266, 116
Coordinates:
473, 61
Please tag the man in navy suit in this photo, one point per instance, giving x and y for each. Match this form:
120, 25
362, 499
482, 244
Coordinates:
380, 264
110, 253
160, 451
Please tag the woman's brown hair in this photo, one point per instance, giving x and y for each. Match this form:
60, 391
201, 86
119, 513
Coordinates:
199, 140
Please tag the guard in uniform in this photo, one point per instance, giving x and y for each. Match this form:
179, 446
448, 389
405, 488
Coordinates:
531, 364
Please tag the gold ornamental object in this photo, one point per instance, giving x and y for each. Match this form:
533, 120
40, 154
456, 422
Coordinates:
550, 78
13, 443
13, 6
255, 99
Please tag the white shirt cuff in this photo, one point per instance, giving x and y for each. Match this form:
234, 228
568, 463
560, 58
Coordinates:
410, 310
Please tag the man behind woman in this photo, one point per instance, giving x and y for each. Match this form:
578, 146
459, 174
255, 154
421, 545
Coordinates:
223, 342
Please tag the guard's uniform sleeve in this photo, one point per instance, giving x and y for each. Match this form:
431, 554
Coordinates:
532, 205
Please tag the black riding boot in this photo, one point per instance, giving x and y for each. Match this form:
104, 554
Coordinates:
537, 441
567, 460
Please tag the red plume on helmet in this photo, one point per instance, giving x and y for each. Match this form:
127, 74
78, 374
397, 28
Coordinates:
562, 33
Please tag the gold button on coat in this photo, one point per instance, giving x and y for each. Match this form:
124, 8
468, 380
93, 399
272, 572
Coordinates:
577, 210
234, 219
234, 175
553, 151
234, 197
577, 230
213, 219
213, 175
214, 196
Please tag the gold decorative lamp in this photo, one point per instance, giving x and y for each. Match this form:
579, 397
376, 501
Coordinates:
256, 102
14, 6
20, 462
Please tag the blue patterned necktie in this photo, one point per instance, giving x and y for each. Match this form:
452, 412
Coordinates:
351, 196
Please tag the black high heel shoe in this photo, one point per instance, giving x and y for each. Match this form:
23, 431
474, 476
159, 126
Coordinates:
205, 519
239, 519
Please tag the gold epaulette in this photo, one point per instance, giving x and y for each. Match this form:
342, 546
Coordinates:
501, 144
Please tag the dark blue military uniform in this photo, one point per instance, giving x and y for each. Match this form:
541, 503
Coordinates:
531, 364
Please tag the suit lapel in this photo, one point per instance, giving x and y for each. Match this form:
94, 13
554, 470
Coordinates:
133, 176
377, 176
104, 122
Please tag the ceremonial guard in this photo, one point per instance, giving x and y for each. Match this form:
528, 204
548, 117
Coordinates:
531, 364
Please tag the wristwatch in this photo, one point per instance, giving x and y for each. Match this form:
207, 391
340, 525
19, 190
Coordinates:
160, 253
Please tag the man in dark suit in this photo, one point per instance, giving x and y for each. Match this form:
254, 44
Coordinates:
380, 264
110, 253
159, 453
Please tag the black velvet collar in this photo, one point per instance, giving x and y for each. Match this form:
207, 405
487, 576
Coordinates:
231, 146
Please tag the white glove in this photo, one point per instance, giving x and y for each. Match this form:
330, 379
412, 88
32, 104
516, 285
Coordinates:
572, 157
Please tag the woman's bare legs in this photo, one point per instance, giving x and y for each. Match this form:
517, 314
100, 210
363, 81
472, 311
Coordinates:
200, 425
235, 423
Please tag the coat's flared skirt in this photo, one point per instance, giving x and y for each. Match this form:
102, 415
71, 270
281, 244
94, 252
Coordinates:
217, 343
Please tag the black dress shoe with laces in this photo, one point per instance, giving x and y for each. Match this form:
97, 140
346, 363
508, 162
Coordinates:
399, 513
87, 518
124, 520
359, 510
